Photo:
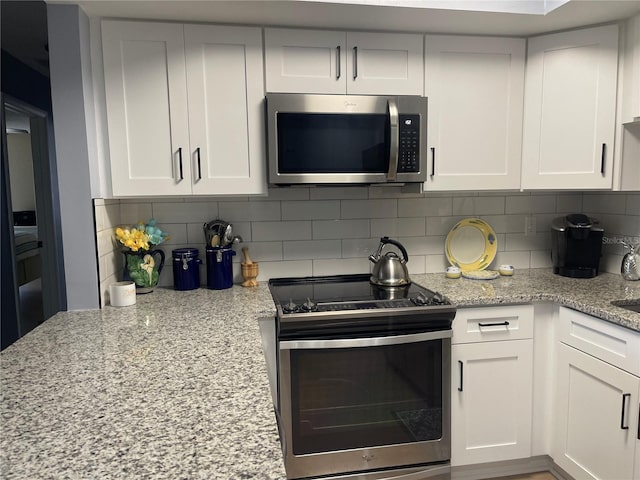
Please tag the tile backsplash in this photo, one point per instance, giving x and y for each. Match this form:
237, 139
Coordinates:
329, 230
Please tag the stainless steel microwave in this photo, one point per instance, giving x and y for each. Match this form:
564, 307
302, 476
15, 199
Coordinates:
346, 139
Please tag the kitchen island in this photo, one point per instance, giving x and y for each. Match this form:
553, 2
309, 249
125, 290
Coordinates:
176, 385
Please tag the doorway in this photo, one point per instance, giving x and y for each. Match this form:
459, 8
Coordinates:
33, 220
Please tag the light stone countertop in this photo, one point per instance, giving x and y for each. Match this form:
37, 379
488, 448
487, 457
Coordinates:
176, 385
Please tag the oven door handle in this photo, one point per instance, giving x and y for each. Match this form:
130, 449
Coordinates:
364, 342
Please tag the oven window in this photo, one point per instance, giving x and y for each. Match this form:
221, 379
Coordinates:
365, 397
333, 143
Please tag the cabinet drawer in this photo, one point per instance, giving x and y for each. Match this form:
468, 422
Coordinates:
489, 324
611, 343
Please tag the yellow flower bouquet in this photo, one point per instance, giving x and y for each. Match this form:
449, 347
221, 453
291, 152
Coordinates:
138, 243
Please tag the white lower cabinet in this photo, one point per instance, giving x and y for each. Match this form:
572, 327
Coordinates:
596, 407
491, 384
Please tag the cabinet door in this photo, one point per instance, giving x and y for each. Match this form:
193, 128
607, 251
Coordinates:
384, 64
570, 102
475, 87
595, 401
305, 61
146, 100
491, 398
224, 78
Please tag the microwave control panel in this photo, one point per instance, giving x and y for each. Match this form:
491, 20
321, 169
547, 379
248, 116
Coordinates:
409, 132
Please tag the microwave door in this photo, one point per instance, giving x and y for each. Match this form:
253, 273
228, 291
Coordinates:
394, 135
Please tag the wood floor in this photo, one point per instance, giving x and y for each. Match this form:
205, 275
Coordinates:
530, 476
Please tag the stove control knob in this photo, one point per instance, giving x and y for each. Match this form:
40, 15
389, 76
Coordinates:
309, 305
290, 307
438, 299
421, 299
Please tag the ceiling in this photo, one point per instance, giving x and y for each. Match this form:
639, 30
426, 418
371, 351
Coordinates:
24, 23
353, 14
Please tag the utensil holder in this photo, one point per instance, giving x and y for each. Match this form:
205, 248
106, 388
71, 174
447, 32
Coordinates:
250, 274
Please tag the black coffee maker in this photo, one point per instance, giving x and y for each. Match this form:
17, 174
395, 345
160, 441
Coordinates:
576, 246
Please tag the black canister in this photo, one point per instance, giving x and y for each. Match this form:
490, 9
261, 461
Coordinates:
186, 268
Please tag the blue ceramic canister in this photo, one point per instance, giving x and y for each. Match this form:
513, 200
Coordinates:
186, 268
219, 267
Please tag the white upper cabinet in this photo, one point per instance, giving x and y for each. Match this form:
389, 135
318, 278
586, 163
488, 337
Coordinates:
147, 116
475, 87
384, 64
330, 62
225, 86
631, 69
184, 108
569, 114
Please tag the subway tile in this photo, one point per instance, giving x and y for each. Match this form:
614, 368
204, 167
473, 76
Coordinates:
497, 222
310, 249
106, 242
340, 266
610, 203
360, 247
284, 193
490, 205
530, 204
311, 210
338, 229
111, 216
131, 213
185, 212
427, 207
517, 259
293, 230
417, 265
611, 263
519, 242
386, 191
541, 259
250, 211
436, 263
440, 225
381, 208
465, 206
633, 204
398, 227
287, 268
569, 203
261, 251
177, 233
423, 246
338, 193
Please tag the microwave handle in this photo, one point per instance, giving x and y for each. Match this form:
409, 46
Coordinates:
395, 140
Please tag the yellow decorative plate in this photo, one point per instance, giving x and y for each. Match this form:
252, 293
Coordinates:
471, 244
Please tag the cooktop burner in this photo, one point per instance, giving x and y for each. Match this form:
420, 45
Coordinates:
347, 301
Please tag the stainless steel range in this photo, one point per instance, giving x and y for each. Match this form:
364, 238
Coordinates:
360, 376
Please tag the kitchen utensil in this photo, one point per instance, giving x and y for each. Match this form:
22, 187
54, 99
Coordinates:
250, 274
220, 228
247, 258
471, 244
389, 270
630, 267
215, 240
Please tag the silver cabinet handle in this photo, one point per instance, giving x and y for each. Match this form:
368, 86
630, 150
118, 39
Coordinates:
394, 132
355, 62
364, 342
338, 70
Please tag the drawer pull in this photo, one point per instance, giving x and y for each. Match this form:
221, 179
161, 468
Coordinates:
496, 324
199, 165
625, 397
338, 69
461, 365
180, 164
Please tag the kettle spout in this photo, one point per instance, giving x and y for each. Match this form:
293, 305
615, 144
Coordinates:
373, 258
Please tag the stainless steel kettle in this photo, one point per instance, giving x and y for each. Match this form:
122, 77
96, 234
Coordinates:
389, 270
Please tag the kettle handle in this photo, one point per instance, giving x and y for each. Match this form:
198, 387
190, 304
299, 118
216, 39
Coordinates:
385, 240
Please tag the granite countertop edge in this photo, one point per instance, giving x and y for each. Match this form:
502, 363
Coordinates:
176, 386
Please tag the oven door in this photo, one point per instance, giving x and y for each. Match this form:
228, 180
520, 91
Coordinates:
356, 405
